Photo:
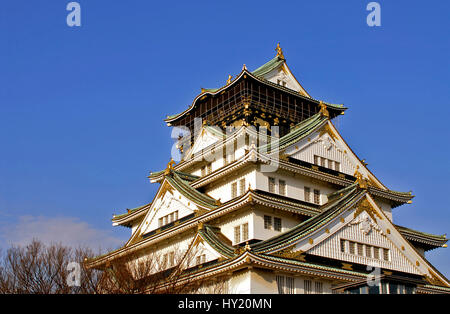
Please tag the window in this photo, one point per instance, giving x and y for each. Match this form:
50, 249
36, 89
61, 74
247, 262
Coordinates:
203, 171
241, 233
386, 254
308, 286
237, 234
271, 185
318, 287
167, 219
368, 251
282, 187
337, 166
316, 160
316, 197
322, 162
285, 284
307, 194
330, 164
172, 259
360, 249
245, 232
342, 246
241, 186
267, 222
209, 168
200, 259
277, 224
376, 253
233, 189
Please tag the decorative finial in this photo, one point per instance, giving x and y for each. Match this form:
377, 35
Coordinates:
203, 90
279, 51
360, 180
244, 67
229, 79
323, 109
169, 166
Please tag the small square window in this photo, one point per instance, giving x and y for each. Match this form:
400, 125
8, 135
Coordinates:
267, 222
271, 185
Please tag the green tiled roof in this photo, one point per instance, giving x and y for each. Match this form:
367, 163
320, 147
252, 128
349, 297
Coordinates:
329, 211
129, 212
269, 66
217, 240
188, 191
301, 130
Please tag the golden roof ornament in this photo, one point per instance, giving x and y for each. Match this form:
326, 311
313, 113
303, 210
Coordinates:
323, 109
169, 166
359, 179
229, 79
279, 51
244, 67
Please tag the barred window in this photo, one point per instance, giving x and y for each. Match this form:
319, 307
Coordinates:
386, 254
282, 187
209, 168
330, 164
175, 215
241, 186
376, 253
318, 287
360, 249
233, 189
322, 162
316, 160
307, 194
317, 196
237, 234
285, 284
308, 286
267, 222
337, 166
271, 185
352, 248
368, 251
342, 246
245, 232
203, 171
277, 224
160, 222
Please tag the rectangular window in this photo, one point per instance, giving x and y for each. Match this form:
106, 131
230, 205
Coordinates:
376, 252
277, 224
337, 166
233, 189
209, 168
282, 187
317, 197
280, 284
330, 164
203, 171
241, 186
308, 286
342, 246
368, 251
386, 254
360, 249
160, 222
322, 161
175, 215
245, 232
351, 248
290, 287
267, 222
318, 287
237, 234
271, 185
307, 194
316, 160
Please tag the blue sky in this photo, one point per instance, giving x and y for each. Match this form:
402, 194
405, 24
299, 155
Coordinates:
82, 109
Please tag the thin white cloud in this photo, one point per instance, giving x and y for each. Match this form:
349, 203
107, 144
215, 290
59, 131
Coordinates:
68, 231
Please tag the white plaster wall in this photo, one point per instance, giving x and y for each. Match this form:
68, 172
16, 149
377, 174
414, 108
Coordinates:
222, 189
